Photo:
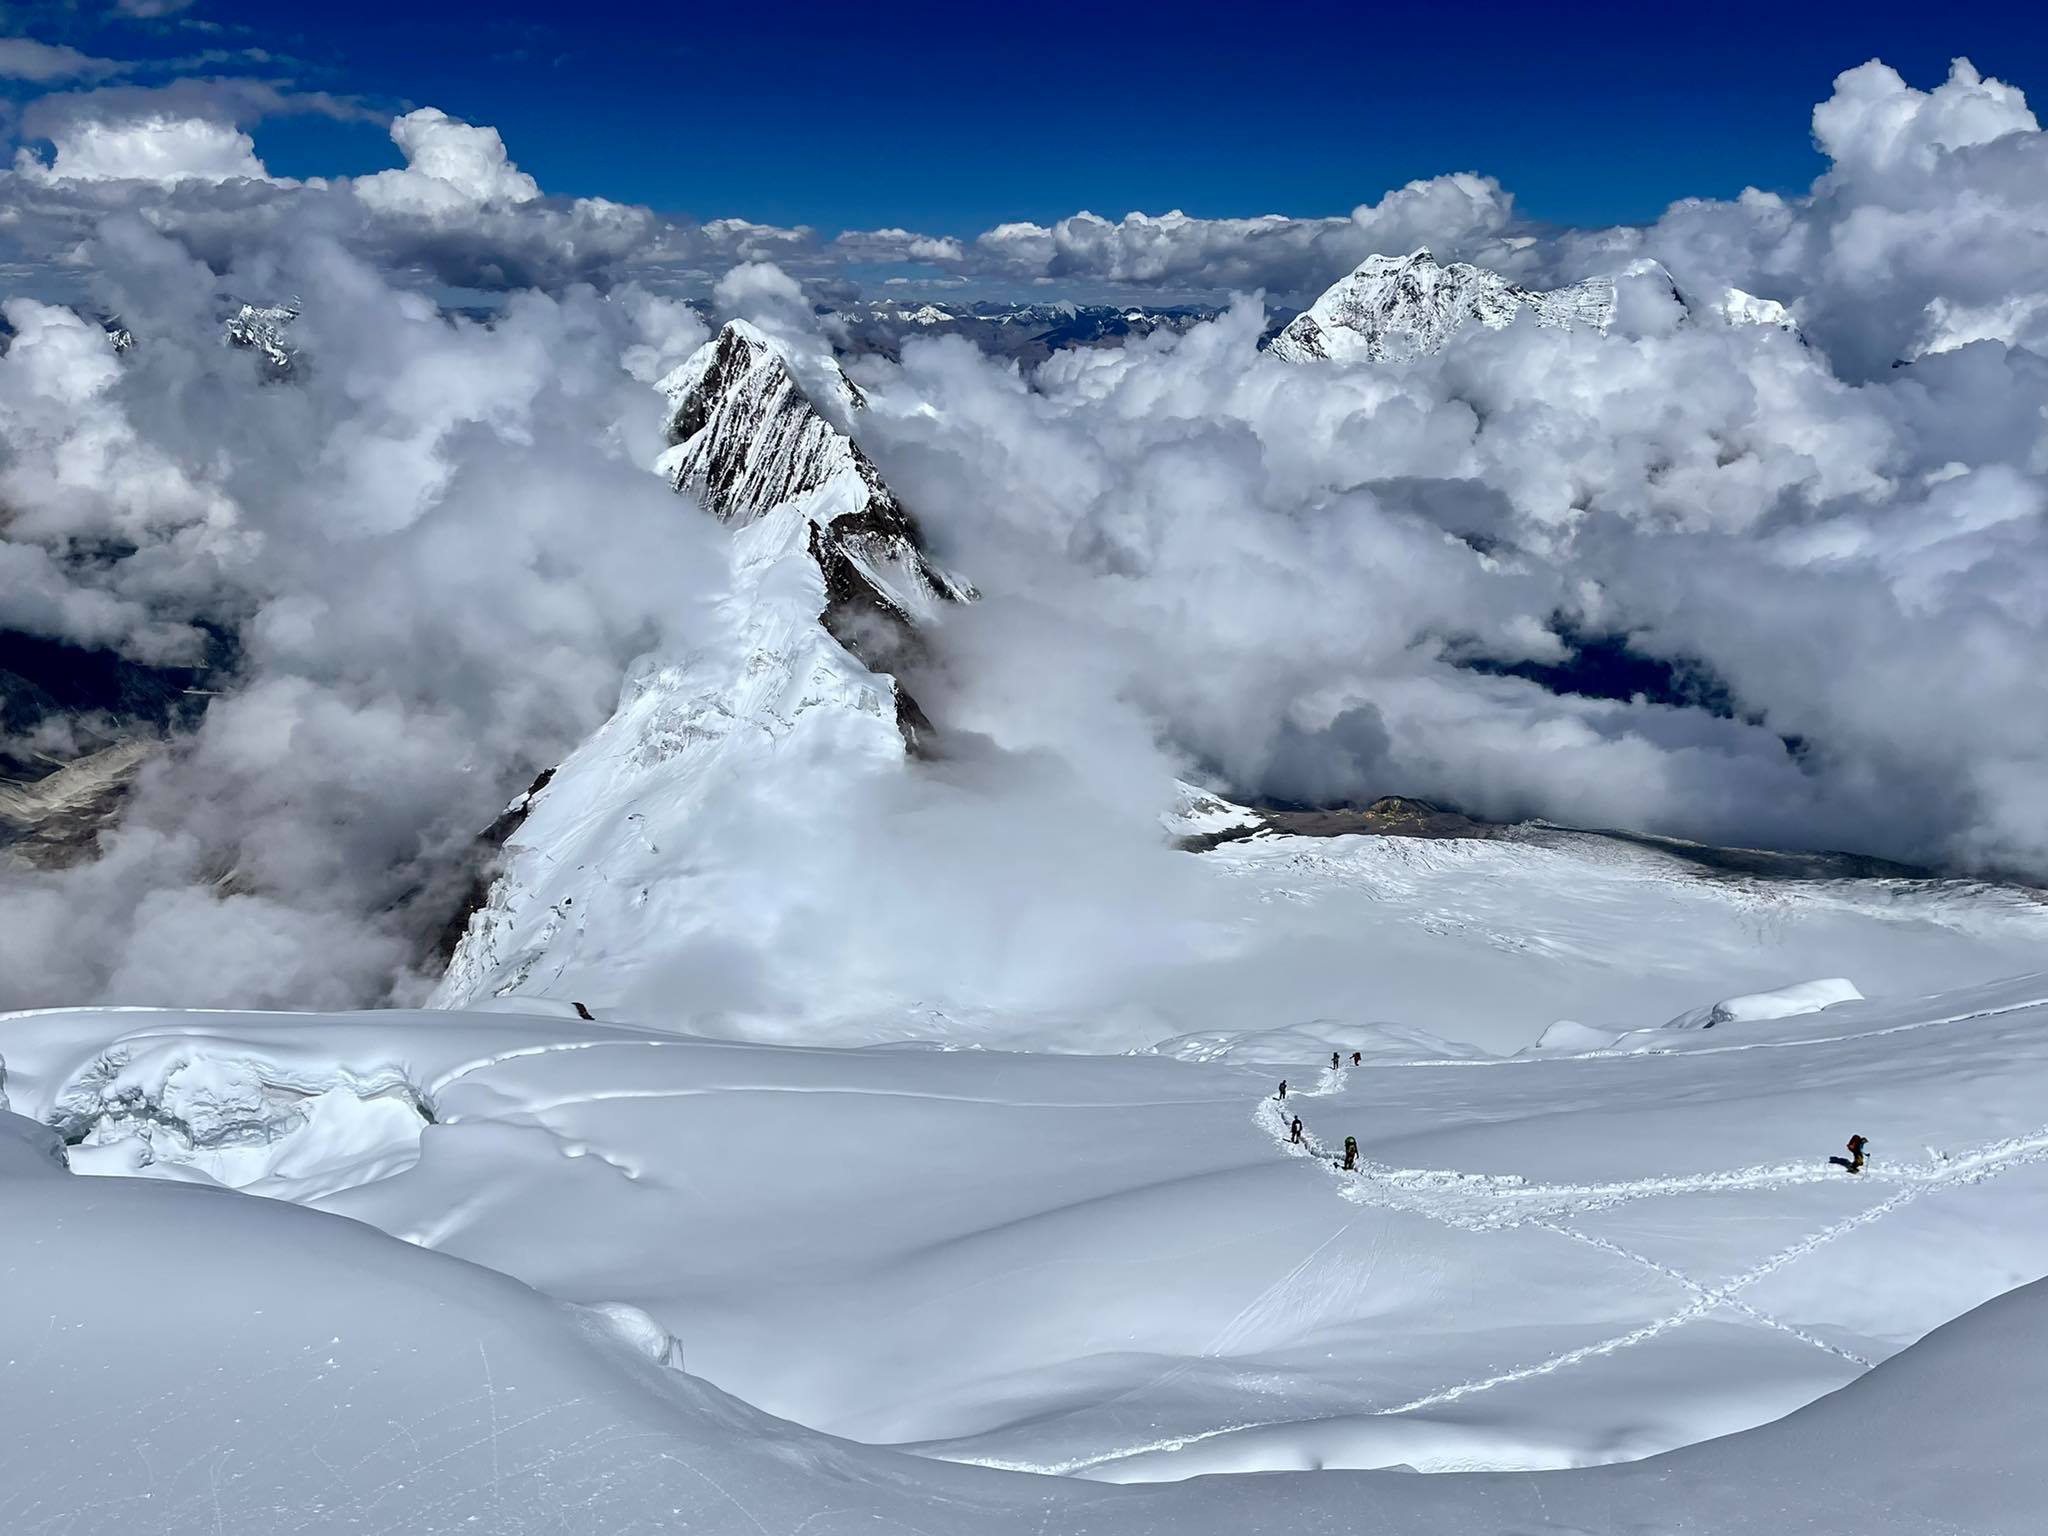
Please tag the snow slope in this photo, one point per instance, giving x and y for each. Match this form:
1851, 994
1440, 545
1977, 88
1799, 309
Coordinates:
1491, 941
373, 1387
828, 586
615, 895
1119, 1268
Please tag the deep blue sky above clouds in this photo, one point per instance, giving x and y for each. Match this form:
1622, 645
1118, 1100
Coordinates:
949, 118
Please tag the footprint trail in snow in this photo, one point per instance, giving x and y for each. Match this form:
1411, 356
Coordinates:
1476, 1202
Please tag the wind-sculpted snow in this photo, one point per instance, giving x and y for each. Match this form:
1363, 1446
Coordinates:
1123, 1268
428, 1396
1779, 1003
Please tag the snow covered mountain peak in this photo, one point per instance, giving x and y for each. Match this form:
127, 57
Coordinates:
744, 435
604, 867
258, 328
747, 439
1394, 308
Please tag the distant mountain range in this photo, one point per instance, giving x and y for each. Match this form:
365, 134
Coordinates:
1029, 333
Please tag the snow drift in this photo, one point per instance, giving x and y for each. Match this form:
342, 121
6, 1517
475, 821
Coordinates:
1778, 1003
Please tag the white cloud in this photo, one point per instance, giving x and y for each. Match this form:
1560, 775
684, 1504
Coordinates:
451, 168
188, 131
441, 548
898, 245
438, 544
23, 58
1254, 556
729, 240
1876, 124
1460, 215
1928, 227
155, 148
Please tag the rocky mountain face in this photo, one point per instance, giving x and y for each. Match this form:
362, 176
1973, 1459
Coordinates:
599, 870
1393, 308
262, 328
748, 443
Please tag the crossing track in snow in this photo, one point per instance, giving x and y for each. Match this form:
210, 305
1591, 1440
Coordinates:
1482, 1203
1494, 1202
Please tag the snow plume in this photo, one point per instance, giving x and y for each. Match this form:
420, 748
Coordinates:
435, 549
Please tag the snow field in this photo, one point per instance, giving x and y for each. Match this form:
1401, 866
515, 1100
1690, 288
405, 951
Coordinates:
1117, 1268
1113, 1268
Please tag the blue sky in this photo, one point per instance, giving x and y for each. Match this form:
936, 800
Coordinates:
952, 118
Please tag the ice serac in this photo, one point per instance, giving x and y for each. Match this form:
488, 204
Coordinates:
600, 870
1394, 308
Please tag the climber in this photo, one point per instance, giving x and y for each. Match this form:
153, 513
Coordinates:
1355, 1058
1283, 1088
1350, 1154
1854, 1161
1335, 1061
1296, 1137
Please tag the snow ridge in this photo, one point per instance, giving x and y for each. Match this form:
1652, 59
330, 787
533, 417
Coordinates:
830, 587
746, 440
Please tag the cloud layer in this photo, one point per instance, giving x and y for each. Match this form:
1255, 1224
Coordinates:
437, 545
1289, 570
439, 548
